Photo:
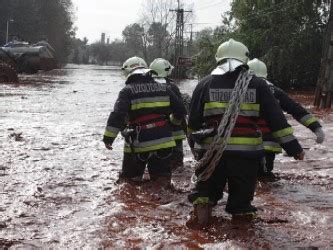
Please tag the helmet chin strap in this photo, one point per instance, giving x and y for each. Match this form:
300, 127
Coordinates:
228, 66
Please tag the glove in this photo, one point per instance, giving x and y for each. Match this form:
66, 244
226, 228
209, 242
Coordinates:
300, 156
320, 135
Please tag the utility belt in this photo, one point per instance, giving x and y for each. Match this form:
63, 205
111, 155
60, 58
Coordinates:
132, 132
210, 129
149, 121
199, 136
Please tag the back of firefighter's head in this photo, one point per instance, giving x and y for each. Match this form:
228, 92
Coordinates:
232, 49
161, 67
132, 64
258, 67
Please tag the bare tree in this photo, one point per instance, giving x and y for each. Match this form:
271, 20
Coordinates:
159, 25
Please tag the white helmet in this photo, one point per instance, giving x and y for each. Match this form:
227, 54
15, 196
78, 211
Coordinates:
162, 67
133, 63
232, 50
258, 67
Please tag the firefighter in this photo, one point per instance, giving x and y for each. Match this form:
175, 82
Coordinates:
272, 147
162, 69
142, 112
241, 159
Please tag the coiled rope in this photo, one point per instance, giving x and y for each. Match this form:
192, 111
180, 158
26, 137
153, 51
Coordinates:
215, 150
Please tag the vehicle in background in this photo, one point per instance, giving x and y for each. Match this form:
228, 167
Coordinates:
26, 58
7, 67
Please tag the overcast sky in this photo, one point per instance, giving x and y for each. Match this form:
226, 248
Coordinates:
112, 16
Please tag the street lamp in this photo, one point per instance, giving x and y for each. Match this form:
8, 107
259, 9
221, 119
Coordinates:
7, 34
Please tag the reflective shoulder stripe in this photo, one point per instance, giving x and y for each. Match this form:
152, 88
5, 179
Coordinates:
308, 120
151, 99
283, 132
169, 144
111, 132
149, 105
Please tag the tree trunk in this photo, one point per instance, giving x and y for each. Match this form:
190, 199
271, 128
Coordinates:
324, 90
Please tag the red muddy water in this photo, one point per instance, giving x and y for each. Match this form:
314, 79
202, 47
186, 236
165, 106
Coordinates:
58, 183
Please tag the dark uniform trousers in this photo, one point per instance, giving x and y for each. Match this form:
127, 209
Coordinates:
269, 162
243, 155
241, 176
158, 164
177, 158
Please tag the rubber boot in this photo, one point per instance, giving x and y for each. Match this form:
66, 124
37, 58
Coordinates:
203, 212
160, 181
138, 180
244, 217
268, 177
177, 161
200, 216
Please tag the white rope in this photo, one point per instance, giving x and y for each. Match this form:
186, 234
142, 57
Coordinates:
215, 150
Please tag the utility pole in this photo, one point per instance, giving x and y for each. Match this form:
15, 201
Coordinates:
7, 31
191, 41
179, 40
324, 90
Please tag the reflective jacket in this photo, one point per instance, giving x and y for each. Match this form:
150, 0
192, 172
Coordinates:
145, 106
210, 100
291, 107
178, 132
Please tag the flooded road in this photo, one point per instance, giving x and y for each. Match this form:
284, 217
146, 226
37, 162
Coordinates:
57, 181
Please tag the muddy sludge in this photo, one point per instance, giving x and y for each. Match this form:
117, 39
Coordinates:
58, 182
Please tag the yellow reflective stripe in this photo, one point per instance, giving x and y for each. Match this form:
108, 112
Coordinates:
244, 106
283, 132
238, 141
244, 141
273, 149
249, 106
110, 134
169, 144
310, 121
179, 137
149, 105
201, 200
213, 105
